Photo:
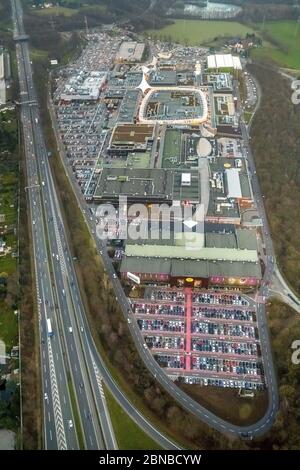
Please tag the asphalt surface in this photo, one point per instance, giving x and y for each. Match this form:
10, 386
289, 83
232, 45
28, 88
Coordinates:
66, 357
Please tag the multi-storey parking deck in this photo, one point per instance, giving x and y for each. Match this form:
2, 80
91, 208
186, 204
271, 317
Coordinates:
204, 335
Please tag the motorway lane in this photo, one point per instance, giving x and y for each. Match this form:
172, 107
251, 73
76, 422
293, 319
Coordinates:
93, 440
54, 354
79, 363
68, 301
66, 277
55, 416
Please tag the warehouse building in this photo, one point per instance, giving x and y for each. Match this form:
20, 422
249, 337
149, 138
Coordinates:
5, 75
139, 185
129, 106
221, 82
131, 138
147, 186
223, 62
163, 78
222, 259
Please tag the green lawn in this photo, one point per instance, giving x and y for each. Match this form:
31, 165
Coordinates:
8, 326
197, 32
76, 414
36, 54
247, 117
56, 10
8, 264
287, 35
129, 436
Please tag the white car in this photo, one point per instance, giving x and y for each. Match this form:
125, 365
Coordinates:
70, 329
70, 424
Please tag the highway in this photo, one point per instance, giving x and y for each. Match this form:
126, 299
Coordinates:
57, 403
66, 359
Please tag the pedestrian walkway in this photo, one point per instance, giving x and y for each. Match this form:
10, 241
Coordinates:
188, 326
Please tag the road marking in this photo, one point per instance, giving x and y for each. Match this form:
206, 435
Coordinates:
60, 430
99, 382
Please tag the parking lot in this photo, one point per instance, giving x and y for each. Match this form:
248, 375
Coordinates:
164, 342
162, 325
170, 361
224, 329
226, 366
172, 295
83, 121
251, 92
165, 309
218, 345
231, 348
217, 382
220, 299
224, 313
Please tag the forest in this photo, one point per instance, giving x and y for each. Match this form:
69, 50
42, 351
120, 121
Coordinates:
100, 12
276, 142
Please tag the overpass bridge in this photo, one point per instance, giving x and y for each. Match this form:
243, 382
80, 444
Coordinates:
21, 37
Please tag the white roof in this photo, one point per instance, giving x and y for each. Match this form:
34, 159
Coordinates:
217, 61
186, 177
204, 147
233, 183
236, 63
144, 85
1, 66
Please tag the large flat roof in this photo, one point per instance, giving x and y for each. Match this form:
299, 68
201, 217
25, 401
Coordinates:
145, 184
163, 77
128, 108
191, 252
190, 268
224, 61
242, 239
234, 190
171, 155
135, 133
131, 51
